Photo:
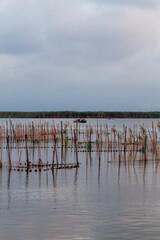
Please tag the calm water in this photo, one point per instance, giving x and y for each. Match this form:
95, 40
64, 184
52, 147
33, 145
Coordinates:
100, 200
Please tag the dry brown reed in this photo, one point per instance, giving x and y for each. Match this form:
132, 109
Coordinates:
133, 142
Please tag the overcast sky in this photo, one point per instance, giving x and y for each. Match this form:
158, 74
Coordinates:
79, 55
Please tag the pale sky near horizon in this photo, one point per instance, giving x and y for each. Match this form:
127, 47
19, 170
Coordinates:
79, 55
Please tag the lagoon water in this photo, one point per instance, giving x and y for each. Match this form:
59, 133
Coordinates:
102, 199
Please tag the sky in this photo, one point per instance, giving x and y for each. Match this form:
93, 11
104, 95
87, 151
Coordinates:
80, 55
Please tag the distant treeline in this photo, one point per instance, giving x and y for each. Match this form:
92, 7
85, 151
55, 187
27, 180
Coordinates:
73, 114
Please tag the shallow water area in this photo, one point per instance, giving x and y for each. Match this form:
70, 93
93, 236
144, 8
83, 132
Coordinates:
102, 199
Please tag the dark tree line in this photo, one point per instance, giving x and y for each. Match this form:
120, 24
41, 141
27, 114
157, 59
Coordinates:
73, 114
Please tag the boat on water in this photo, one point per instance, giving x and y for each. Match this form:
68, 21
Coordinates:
80, 120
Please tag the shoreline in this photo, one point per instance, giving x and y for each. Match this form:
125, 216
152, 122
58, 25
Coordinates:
75, 114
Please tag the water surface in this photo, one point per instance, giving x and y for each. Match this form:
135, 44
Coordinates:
102, 199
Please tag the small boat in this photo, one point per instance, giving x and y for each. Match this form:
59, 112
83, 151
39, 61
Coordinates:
80, 120
111, 118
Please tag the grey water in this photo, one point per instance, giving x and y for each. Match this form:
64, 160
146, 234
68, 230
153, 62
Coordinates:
102, 199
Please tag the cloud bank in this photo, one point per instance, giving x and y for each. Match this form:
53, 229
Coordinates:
79, 55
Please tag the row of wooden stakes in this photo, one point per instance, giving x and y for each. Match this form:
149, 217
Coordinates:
79, 136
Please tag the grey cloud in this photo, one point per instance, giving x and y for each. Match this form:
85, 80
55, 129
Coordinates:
78, 55
14, 43
137, 3
90, 35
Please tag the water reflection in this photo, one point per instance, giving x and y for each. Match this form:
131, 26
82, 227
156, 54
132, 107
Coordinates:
89, 164
8, 185
107, 197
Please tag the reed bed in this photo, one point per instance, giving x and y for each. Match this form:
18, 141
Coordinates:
127, 144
